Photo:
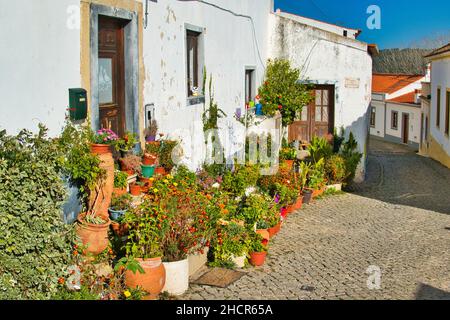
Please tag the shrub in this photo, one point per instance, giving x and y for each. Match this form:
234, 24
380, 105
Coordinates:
35, 244
320, 148
335, 169
243, 177
351, 156
120, 179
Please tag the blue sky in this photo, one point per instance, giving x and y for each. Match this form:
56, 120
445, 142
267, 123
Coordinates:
403, 23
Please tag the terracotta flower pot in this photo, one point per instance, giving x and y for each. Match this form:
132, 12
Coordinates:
93, 236
152, 280
100, 199
160, 171
289, 164
290, 209
274, 230
118, 191
264, 233
135, 189
299, 203
100, 148
257, 258
149, 160
119, 229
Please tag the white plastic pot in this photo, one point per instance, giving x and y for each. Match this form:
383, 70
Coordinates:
177, 277
239, 261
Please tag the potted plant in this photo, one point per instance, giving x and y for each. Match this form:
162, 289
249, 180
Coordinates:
135, 189
317, 180
149, 159
261, 228
147, 170
143, 261
288, 155
119, 206
151, 131
93, 232
102, 141
335, 172
187, 230
126, 144
165, 154
120, 182
257, 251
130, 164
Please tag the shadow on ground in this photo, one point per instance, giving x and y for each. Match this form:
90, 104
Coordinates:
397, 175
426, 292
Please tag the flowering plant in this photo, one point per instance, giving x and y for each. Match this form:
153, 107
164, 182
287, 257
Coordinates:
105, 136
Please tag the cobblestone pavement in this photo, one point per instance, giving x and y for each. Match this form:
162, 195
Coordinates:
398, 221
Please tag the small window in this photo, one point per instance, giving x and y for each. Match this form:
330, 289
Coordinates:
372, 117
447, 113
345, 33
438, 108
249, 85
394, 120
193, 71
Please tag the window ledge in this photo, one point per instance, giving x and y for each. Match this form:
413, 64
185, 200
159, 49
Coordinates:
195, 100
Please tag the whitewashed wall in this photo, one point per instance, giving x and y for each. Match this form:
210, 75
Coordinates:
414, 121
440, 76
39, 62
230, 44
326, 58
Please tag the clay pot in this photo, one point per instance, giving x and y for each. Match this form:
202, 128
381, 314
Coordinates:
274, 230
119, 229
100, 148
135, 190
93, 236
289, 164
290, 209
160, 171
315, 193
149, 160
264, 233
299, 203
152, 280
118, 192
257, 258
101, 204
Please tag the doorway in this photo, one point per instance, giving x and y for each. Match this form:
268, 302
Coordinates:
111, 74
405, 128
317, 118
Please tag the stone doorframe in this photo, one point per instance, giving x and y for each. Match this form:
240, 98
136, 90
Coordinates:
132, 59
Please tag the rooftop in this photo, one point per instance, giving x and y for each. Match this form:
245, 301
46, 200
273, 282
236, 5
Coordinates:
439, 51
390, 83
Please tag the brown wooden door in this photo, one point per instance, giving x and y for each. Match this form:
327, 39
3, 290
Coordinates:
111, 75
405, 128
317, 118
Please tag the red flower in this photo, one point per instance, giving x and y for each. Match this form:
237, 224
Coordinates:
61, 280
257, 97
280, 106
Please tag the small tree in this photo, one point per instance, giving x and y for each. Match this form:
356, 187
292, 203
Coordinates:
282, 92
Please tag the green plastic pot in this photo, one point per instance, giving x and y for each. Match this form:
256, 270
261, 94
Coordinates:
147, 171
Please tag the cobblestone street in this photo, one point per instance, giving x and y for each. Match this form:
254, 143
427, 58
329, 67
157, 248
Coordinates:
398, 220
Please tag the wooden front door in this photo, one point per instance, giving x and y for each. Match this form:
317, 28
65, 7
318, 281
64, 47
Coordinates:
317, 118
405, 128
111, 75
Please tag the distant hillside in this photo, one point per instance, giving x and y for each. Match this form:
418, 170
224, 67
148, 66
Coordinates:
407, 61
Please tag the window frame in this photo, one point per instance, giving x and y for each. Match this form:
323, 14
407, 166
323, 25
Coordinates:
195, 36
248, 96
394, 124
373, 113
438, 107
447, 111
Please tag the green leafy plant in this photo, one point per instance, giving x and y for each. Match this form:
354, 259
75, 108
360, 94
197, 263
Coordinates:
126, 143
351, 156
319, 148
257, 207
244, 176
35, 243
120, 179
121, 203
304, 171
317, 175
256, 243
282, 91
165, 156
288, 154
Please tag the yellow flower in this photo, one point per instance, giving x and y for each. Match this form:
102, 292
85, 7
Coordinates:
127, 294
166, 181
152, 179
155, 190
169, 176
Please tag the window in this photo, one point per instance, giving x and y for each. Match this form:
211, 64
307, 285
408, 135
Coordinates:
249, 85
345, 33
438, 108
193, 71
372, 117
447, 112
321, 106
394, 120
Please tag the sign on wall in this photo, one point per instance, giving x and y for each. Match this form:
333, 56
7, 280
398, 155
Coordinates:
352, 83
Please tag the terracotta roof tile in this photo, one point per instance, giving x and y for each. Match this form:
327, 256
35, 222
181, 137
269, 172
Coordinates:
390, 83
406, 98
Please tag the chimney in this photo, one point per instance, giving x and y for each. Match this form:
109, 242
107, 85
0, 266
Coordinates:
417, 94
428, 73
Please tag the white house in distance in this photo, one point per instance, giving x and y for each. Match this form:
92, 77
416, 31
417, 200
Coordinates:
395, 112
338, 66
142, 59
437, 99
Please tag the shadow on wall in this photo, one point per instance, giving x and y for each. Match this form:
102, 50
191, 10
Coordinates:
397, 175
426, 292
